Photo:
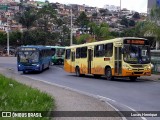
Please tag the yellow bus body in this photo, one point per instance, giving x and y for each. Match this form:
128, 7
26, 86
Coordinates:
98, 65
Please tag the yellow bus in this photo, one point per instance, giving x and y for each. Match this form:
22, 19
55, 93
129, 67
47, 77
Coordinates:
119, 57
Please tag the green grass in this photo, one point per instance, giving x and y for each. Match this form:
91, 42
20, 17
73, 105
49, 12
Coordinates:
18, 97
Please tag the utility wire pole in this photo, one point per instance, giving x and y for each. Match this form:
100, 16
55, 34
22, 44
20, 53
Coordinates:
7, 38
71, 36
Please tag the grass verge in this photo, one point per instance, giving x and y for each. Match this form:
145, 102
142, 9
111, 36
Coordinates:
18, 97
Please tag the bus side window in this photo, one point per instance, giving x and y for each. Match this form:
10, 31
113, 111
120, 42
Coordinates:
99, 50
78, 52
83, 52
53, 51
68, 54
73, 56
109, 50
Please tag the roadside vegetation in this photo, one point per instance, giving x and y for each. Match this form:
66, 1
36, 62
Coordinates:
18, 97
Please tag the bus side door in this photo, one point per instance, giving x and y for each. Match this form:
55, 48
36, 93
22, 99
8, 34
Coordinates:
90, 60
118, 60
72, 61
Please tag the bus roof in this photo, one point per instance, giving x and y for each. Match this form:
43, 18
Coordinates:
56, 46
105, 41
40, 47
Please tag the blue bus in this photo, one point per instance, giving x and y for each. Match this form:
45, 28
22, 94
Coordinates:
33, 58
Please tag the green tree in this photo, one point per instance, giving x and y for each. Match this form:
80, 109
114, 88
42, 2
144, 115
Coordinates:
99, 32
124, 21
83, 38
47, 17
82, 21
153, 26
132, 23
136, 15
15, 38
3, 38
27, 18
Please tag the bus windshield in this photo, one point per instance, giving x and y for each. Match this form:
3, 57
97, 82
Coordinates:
136, 54
28, 56
60, 51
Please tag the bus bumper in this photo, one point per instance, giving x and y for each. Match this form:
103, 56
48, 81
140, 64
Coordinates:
136, 73
28, 68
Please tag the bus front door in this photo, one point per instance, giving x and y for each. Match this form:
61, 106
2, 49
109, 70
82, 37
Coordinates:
72, 61
118, 61
90, 59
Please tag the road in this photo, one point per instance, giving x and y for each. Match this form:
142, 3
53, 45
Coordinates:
142, 95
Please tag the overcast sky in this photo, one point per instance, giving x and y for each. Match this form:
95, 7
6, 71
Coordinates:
137, 5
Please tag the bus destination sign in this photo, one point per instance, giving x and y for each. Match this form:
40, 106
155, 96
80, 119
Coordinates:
137, 42
28, 49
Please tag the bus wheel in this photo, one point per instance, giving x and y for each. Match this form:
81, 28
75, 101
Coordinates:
48, 65
24, 72
108, 74
78, 72
133, 78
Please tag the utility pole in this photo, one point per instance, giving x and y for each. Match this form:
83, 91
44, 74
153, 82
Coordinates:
7, 37
71, 37
120, 6
119, 16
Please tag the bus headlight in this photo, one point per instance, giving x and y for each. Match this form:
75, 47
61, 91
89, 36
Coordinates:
148, 67
19, 65
37, 65
127, 67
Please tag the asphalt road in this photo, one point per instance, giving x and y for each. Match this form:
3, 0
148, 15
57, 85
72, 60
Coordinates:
142, 95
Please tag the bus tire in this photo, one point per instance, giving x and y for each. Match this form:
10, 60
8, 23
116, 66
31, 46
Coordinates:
24, 72
133, 78
48, 65
42, 68
108, 74
78, 74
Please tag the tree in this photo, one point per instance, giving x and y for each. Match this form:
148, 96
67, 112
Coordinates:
99, 32
104, 12
82, 21
136, 15
26, 18
3, 38
83, 38
47, 17
155, 17
124, 21
132, 23
15, 37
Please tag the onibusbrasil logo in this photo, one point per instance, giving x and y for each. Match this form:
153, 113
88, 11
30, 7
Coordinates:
21, 114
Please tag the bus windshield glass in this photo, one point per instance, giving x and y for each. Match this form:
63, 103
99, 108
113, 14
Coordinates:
28, 56
136, 54
60, 51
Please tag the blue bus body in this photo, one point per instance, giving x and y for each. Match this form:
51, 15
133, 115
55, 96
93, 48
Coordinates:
33, 58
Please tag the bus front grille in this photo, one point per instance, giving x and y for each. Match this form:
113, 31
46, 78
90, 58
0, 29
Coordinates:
138, 72
139, 69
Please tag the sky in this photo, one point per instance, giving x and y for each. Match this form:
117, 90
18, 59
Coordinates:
137, 5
